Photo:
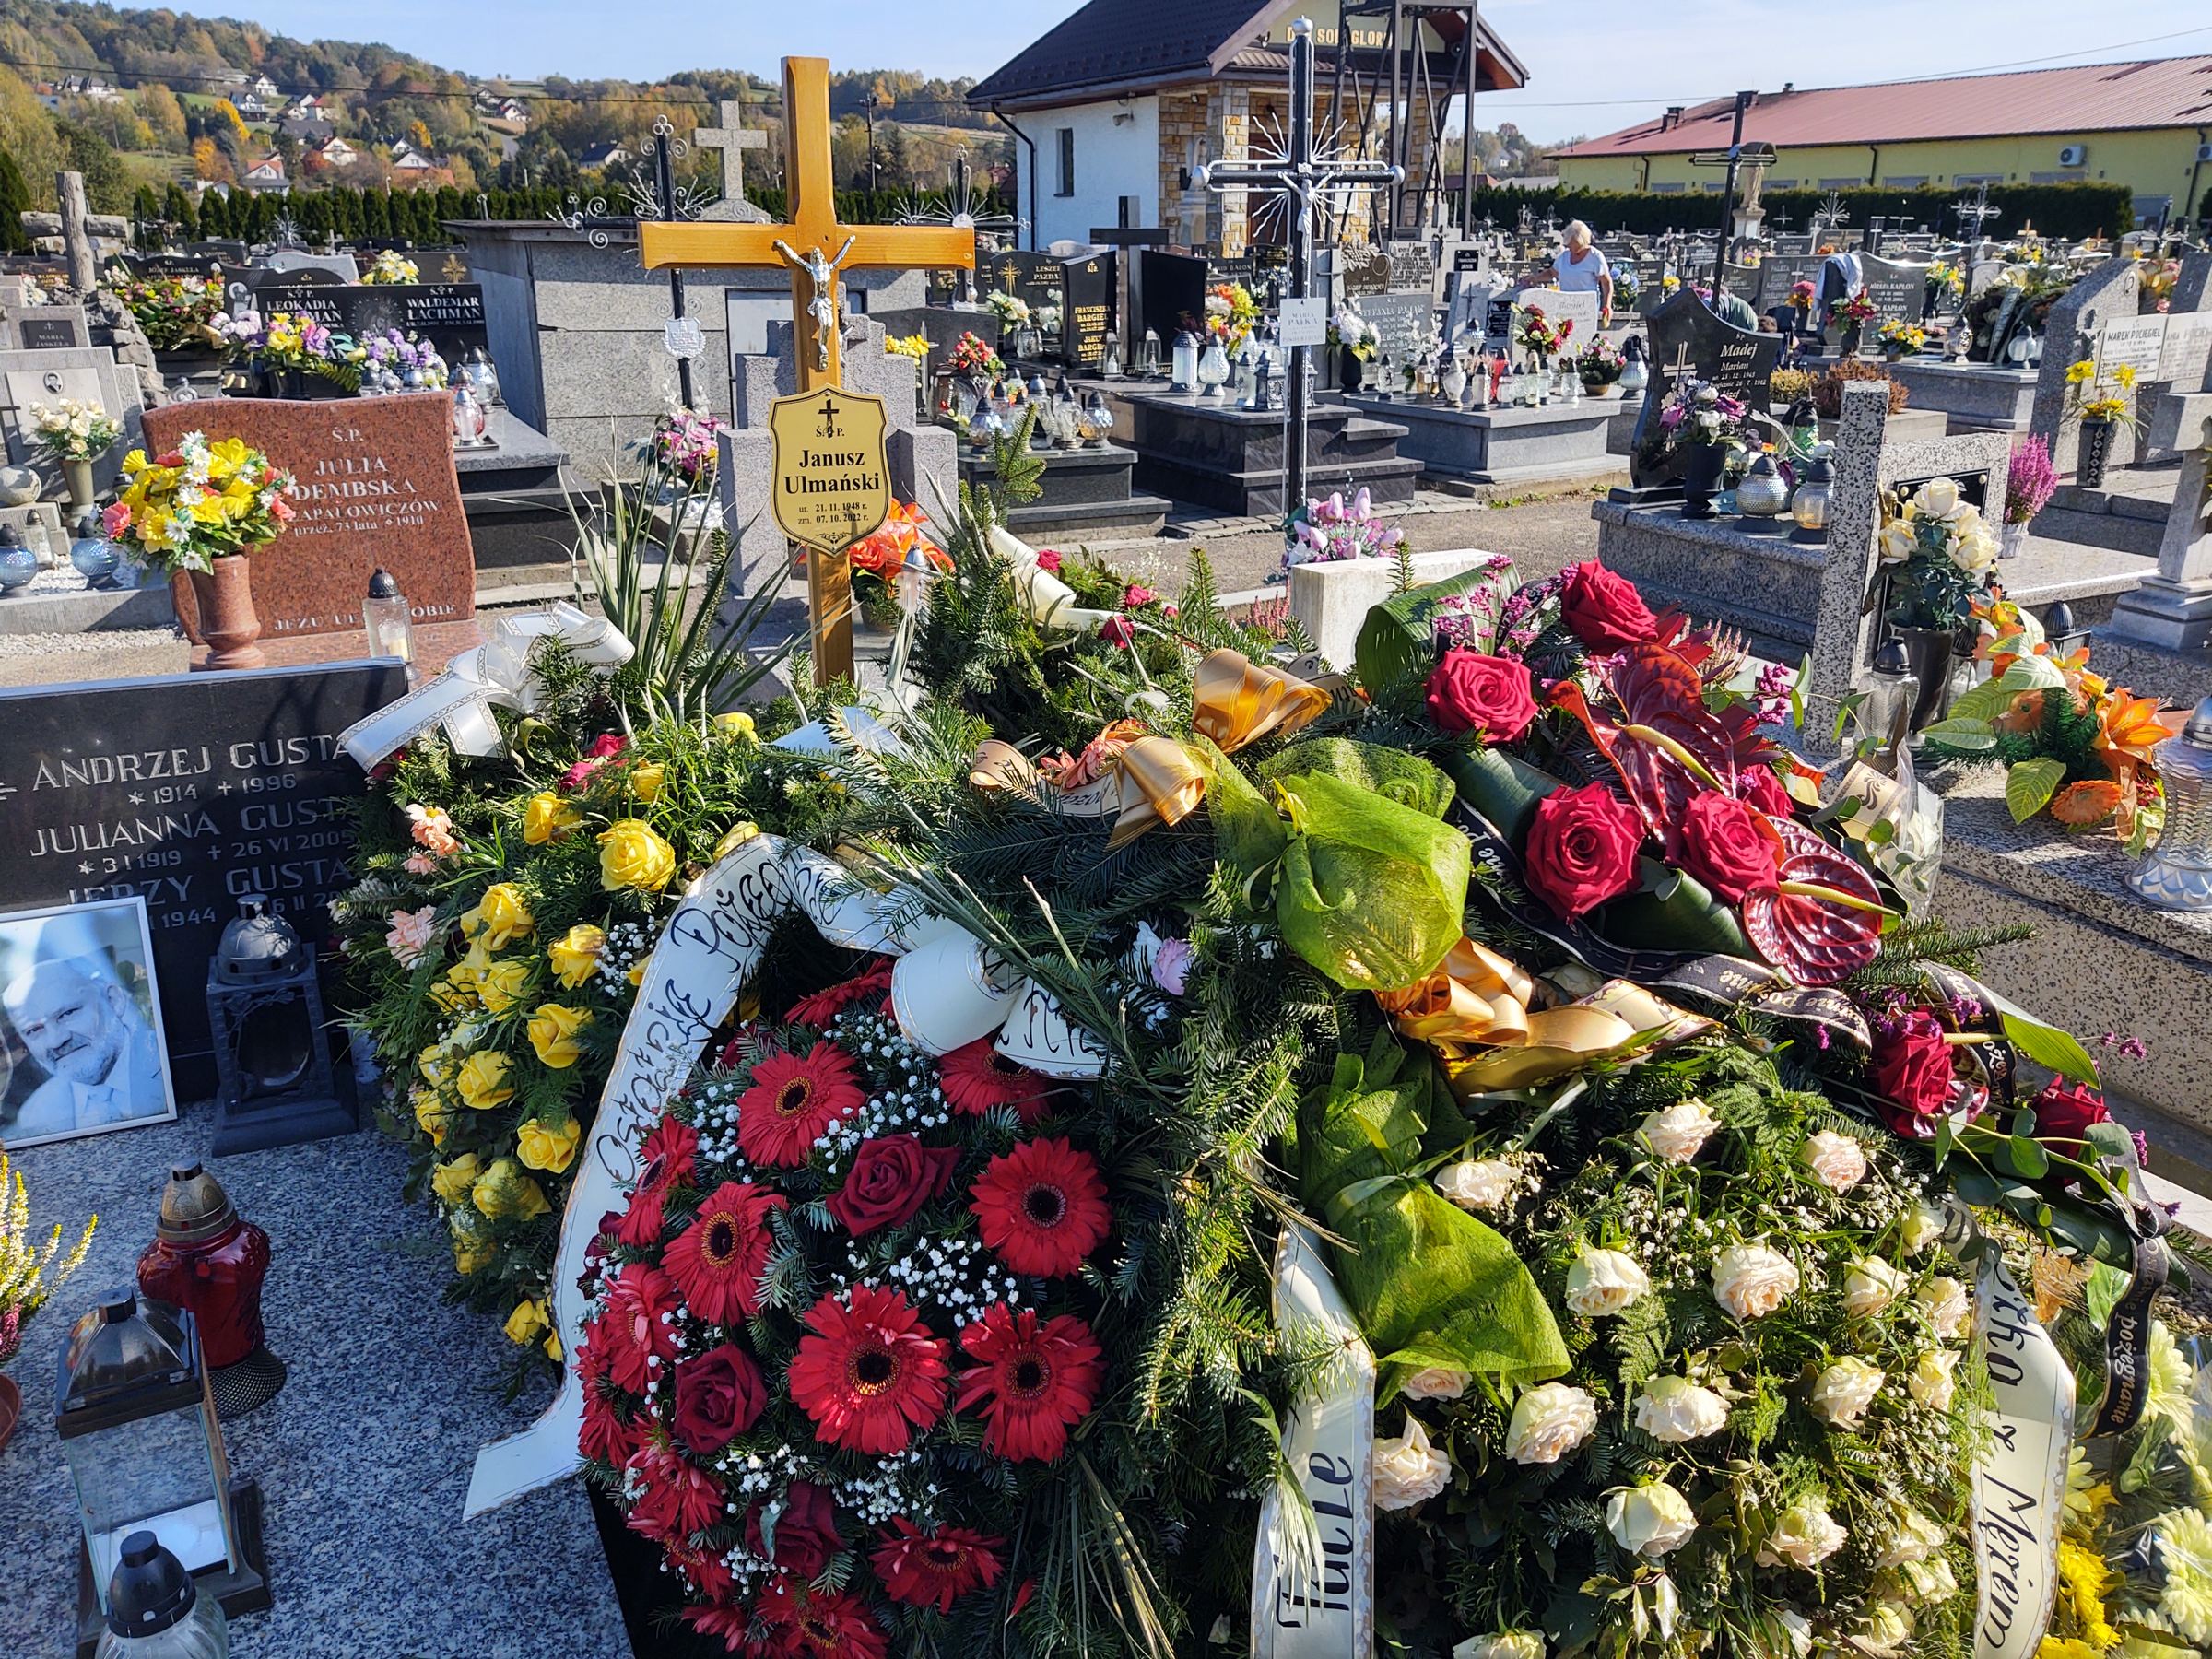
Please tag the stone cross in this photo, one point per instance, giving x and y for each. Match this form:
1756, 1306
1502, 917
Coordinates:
76, 232
2173, 609
732, 138
1843, 633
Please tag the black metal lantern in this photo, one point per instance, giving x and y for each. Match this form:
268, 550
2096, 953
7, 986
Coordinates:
135, 1416
275, 1084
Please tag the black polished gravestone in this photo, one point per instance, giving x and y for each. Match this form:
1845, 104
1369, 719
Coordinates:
1406, 324
1412, 265
1365, 271
1037, 280
1089, 291
40, 333
193, 789
1173, 294
1898, 291
447, 314
1687, 341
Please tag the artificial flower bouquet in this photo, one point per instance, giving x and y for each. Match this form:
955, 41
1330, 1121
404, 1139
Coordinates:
73, 431
1899, 338
897, 560
1627, 285
1231, 313
687, 446
2092, 397
1012, 310
1323, 531
394, 361
392, 268
1698, 415
914, 346
1352, 332
1937, 556
30, 1272
176, 314
1851, 310
201, 501
1539, 336
1946, 277
284, 343
971, 354
1599, 364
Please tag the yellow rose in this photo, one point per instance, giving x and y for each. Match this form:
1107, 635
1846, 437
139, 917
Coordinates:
737, 723
456, 990
645, 781
482, 1082
473, 1253
429, 1115
505, 1189
552, 1150
575, 955
436, 1064
632, 856
737, 835
636, 976
527, 1322
547, 816
453, 1181
500, 914
502, 984
553, 1350
553, 1034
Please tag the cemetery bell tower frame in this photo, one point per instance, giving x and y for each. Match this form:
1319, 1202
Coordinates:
1398, 65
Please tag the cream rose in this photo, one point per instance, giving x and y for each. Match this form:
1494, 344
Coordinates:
1435, 1383
1844, 1391
1479, 1183
1937, 499
1923, 1225
1837, 1160
1551, 1420
1676, 1410
1650, 1520
1911, 1537
1885, 1628
1947, 1306
1678, 1134
1503, 1644
1898, 541
1604, 1281
1931, 1381
1926, 1583
1805, 1534
1750, 1280
1973, 550
1871, 1286
1408, 1470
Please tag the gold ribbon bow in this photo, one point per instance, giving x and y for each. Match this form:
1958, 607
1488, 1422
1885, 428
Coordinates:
1477, 1000
1155, 779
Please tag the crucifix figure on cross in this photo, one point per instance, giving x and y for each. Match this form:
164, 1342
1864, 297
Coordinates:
813, 246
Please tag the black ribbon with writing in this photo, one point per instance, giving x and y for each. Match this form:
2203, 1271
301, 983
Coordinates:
2128, 1333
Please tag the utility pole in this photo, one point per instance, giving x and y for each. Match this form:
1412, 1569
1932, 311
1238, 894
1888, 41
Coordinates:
875, 181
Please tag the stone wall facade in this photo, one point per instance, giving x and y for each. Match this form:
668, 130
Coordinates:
1220, 121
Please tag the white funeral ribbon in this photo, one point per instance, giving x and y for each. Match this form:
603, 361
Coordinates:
1050, 600
1313, 1575
709, 950
2019, 1483
497, 673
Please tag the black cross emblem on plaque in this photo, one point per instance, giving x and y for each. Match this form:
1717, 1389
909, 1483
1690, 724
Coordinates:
828, 427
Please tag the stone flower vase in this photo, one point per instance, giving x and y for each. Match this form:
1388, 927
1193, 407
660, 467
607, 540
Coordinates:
1848, 346
1928, 650
77, 476
1701, 478
221, 615
2095, 451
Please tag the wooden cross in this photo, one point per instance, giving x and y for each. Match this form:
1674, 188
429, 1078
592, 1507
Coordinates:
733, 139
813, 247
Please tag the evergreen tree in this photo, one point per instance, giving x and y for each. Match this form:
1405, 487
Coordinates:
376, 213
145, 215
177, 208
14, 201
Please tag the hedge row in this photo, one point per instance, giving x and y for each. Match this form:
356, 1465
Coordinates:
2070, 211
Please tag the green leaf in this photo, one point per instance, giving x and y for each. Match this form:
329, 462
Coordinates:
1983, 702
1961, 732
2048, 1046
2033, 674
2030, 785
2105, 1288
2029, 1160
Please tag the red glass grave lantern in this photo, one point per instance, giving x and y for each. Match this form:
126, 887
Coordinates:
208, 1258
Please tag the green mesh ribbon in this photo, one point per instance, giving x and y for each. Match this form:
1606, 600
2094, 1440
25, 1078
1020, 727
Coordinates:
1431, 1285
1392, 773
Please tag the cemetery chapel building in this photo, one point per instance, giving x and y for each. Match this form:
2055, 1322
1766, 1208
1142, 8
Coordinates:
1116, 106
2147, 125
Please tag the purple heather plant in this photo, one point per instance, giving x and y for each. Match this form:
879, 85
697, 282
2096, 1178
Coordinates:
2030, 479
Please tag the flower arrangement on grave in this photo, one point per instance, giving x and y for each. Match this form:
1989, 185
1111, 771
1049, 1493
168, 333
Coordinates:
1800, 295
394, 361
2093, 397
30, 1272
1627, 285
69, 429
176, 314
1011, 309
1936, 556
879, 560
1827, 390
1324, 531
2156, 281
1048, 319
286, 343
1946, 277
391, 267
1899, 338
1539, 336
1687, 420
915, 345
201, 501
1599, 364
971, 354
1353, 333
688, 444
1231, 313
2072, 743
1851, 310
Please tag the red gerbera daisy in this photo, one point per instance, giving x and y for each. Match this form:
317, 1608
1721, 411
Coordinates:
791, 1102
871, 1372
976, 1077
1034, 1382
674, 1499
1043, 1208
603, 1433
821, 1627
823, 1006
638, 1294
935, 1569
717, 1261
669, 1158
734, 1625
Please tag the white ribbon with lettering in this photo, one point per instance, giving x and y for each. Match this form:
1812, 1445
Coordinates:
1049, 599
2019, 1486
1314, 1573
496, 672
706, 955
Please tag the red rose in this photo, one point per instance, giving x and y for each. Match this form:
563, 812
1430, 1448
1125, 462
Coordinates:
1605, 610
1728, 846
1115, 630
1581, 849
892, 1176
2064, 1109
806, 1536
1912, 1070
1471, 692
1762, 788
1047, 559
719, 1396
1136, 593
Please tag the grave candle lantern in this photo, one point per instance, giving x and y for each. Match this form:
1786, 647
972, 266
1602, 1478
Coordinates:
2177, 875
1809, 505
385, 615
210, 1261
275, 1084
1148, 362
135, 1416
1184, 376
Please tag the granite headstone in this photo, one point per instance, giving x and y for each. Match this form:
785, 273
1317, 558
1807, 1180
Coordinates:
1088, 295
1173, 289
447, 314
1688, 341
1898, 291
191, 790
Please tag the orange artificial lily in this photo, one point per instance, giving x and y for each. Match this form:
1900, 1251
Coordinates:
884, 552
2132, 727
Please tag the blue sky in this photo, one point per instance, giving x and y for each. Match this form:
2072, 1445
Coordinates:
1593, 67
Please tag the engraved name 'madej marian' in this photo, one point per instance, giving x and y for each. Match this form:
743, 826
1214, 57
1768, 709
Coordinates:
817, 473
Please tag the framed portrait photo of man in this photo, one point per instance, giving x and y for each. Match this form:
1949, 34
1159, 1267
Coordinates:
81, 1048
